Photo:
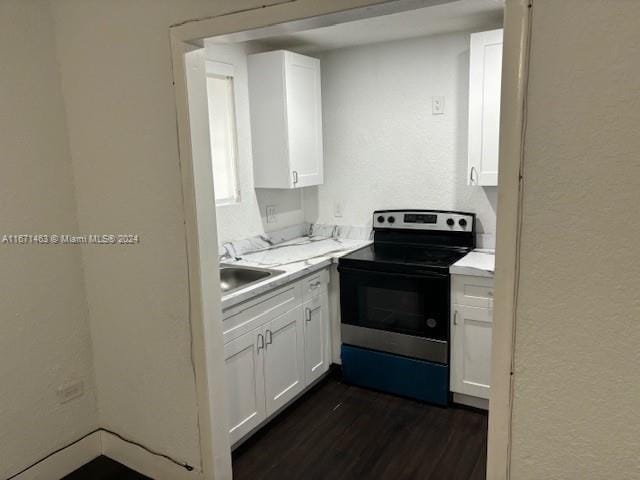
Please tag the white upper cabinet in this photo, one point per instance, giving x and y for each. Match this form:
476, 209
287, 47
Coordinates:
286, 119
485, 71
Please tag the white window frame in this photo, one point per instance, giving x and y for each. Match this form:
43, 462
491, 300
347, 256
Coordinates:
221, 70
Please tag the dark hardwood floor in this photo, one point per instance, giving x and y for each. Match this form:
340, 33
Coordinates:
103, 468
343, 432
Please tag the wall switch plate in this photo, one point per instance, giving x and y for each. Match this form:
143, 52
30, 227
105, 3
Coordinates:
69, 391
337, 209
271, 214
437, 105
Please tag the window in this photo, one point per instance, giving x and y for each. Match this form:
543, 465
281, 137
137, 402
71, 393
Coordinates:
222, 126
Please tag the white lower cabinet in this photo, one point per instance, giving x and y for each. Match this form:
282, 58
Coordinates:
284, 359
276, 346
471, 351
245, 383
471, 331
316, 336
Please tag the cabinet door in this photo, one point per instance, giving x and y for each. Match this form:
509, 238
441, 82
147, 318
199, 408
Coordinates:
471, 350
304, 119
284, 359
316, 336
268, 118
245, 383
485, 72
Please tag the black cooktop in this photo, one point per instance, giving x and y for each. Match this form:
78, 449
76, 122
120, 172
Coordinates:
414, 241
407, 256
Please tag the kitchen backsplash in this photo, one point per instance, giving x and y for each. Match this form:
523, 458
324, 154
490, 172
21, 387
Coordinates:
341, 231
238, 248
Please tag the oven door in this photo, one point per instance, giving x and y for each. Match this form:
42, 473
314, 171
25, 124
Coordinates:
396, 312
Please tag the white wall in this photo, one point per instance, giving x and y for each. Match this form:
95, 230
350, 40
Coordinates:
44, 331
576, 382
248, 217
116, 77
576, 409
383, 147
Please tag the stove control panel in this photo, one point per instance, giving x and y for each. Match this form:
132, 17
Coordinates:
424, 220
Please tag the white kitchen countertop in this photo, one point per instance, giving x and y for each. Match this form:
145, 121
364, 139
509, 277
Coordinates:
297, 258
479, 263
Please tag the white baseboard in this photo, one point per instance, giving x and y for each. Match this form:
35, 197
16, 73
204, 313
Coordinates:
144, 462
65, 461
103, 443
470, 401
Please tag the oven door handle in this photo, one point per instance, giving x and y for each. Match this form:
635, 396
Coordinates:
420, 274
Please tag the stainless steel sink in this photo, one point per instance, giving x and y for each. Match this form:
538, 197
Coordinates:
234, 277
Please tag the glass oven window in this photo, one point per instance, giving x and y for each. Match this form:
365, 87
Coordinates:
403, 303
394, 310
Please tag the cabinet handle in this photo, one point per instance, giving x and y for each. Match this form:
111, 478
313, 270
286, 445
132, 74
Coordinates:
269, 337
315, 284
260, 342
295, 177
471, 175
308, 311
455, 317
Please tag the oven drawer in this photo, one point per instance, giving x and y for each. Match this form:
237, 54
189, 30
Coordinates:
404, 376
472, 291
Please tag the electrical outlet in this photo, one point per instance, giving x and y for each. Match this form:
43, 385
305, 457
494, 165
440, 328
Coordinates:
69, 391
271, 214
437, 105
337, 209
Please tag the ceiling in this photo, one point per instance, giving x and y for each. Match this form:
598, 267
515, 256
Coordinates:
462, 15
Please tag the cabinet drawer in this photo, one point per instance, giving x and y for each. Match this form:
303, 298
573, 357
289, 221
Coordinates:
472, 291
313, 286
245, 317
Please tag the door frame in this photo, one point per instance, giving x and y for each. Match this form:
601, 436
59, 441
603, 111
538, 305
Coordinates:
515, 73
200, 213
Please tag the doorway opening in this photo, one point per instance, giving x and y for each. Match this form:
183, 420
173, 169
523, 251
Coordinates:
377, 61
